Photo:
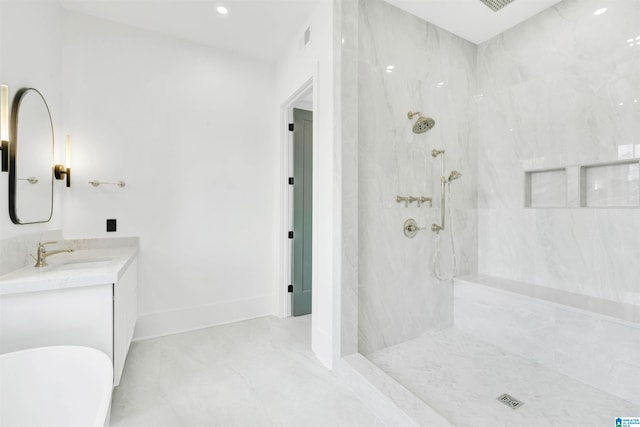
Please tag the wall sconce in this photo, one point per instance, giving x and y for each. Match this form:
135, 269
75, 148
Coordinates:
62, 171
4, 127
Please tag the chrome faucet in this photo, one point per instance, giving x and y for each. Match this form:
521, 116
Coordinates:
41, 261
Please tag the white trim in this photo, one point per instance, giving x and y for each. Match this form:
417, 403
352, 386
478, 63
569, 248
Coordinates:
286, 170
186, 319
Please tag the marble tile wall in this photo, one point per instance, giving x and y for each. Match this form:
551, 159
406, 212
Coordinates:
406, 64
560, 89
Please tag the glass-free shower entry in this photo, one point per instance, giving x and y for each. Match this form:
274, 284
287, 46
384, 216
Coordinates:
548, 311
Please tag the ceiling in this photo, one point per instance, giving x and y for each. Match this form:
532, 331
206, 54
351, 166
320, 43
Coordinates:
471, 19
256, 28
261, 28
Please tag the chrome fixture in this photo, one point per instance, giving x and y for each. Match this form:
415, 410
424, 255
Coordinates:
443, 181
41, 261
496, 5
97, 183
425, 199
411, 199
403, 199
436, 227
510, 401
31, 180
454, 175
411, 228
423, 124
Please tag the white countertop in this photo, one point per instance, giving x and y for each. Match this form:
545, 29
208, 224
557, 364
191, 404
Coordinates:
84, 267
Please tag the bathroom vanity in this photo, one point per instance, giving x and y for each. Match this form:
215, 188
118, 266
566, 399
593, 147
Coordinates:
87, 297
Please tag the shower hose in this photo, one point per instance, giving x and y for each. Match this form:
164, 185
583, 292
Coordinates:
436, 255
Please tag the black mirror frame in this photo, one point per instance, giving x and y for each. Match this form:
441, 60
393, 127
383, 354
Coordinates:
13, 150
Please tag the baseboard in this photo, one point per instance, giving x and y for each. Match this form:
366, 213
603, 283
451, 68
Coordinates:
322, 347
152, 325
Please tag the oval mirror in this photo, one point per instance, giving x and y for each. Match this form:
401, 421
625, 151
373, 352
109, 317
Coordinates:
31, 159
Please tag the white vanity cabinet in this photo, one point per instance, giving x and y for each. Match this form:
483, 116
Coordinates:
125, 314
102, 316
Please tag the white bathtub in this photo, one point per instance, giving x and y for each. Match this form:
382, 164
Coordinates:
55, 386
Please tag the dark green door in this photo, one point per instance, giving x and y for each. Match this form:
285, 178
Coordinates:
302, 168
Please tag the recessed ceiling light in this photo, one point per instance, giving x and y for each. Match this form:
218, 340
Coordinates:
390, 67
630, 40
222, 10
600, 11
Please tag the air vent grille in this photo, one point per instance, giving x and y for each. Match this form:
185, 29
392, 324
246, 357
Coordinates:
496, 5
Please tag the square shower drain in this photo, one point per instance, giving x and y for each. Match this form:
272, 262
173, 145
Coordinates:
510, 401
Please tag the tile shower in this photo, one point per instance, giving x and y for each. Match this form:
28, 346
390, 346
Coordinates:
543, 122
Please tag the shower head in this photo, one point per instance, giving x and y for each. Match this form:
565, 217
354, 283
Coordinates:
454, 175
423, 124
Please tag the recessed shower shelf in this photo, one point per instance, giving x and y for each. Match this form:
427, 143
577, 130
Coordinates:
603, 185
611, 184
546, 188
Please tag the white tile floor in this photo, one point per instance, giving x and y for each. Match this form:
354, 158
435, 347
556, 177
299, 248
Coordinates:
254, 373
460, 377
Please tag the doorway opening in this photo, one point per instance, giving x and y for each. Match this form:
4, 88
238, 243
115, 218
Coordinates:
301, 181
298, 149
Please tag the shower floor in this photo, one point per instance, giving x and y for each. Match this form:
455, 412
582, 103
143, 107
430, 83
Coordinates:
461, 377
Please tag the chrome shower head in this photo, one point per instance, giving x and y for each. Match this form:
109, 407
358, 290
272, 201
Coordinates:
423, 124
454, 175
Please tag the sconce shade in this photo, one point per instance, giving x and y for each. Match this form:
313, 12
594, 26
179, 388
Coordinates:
64, 171
4, 127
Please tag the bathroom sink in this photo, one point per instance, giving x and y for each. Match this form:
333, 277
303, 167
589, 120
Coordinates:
81, 264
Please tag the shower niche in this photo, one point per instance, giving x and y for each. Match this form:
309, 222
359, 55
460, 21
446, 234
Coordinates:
603, 185
546, 188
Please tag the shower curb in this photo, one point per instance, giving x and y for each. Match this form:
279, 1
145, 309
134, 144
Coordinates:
395, 405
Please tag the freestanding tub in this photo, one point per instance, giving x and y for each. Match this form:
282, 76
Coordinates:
55, 386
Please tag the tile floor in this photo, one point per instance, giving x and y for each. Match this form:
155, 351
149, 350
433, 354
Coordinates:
259, 372
460, 377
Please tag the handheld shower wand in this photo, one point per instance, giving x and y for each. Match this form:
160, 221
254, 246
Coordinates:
444, 182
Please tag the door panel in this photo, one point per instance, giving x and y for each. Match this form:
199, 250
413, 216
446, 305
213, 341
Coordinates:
302, 208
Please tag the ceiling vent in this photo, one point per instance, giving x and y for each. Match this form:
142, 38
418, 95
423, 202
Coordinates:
496, 5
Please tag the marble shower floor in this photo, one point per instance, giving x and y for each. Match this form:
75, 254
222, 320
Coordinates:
259, 372
460, 377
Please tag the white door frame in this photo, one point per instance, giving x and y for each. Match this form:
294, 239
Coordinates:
286, 191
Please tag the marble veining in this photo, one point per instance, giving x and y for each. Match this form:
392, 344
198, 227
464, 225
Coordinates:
461, 376
562, 88
571, 334
434, 73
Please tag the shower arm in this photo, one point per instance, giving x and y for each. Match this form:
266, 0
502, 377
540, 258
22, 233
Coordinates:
435, 227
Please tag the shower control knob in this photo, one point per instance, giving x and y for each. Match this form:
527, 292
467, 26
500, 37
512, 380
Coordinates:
410, 228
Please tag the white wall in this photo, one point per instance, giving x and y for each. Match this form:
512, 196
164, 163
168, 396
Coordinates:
191, 132
194, 133
296, 67
30, 56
